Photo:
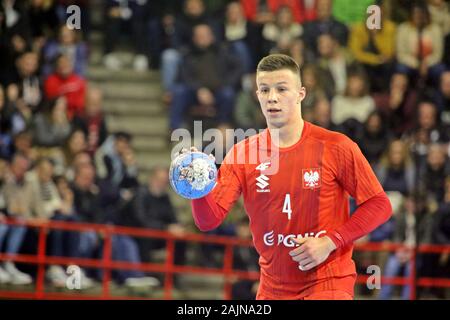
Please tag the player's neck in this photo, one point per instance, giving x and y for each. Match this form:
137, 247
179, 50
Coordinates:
288, 135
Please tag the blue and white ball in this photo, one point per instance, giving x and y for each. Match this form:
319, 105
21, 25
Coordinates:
193, 175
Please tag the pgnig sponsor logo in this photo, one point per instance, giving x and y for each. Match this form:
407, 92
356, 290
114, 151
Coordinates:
270, 238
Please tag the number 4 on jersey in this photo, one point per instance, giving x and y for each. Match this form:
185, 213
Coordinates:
287, 206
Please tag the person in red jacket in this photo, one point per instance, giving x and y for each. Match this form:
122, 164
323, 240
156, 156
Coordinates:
296, 194
64, 82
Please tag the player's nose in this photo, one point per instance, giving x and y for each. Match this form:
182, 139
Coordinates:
272, 97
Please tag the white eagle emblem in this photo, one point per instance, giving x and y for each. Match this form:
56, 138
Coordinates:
311, 178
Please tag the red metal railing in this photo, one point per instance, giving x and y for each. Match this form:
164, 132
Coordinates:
169, 268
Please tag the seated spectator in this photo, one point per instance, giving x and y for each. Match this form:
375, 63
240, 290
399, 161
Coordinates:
282, 32
93, 121
431, 177
14, 36
241, 35
335, 64
5, 128
209, 77
310, 80
26, 82
116, 162
325, 23
23, 144
80, 159
17, 204
247, 113
442, 98
154, 210
440, 14
441, 232
375, 138
193, 14
404, 233
321, 115
42, 16
47, 204
396, 170
68, 44
51, 127
420, 46
245, 259
75, 144
375, 50
130, 16
64, 82
398, 105
355, 103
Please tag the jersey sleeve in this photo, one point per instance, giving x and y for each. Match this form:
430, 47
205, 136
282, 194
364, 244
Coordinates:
354, 173
229, 186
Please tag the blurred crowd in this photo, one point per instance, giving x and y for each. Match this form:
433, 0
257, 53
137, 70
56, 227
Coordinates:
387, 88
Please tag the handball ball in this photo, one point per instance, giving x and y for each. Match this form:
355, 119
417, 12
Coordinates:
193, 175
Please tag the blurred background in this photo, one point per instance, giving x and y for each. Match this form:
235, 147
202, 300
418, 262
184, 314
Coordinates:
86, 117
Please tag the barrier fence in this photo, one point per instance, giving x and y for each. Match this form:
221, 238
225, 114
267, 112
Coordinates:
168, 268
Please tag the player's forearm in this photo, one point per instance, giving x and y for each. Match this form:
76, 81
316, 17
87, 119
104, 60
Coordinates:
366, 218
207, 214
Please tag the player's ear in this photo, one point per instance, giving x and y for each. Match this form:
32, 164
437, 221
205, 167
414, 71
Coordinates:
301, 94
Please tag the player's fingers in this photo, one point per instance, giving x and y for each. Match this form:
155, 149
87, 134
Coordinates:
194, 149
301, 248
305, 262
300, 257
307, 267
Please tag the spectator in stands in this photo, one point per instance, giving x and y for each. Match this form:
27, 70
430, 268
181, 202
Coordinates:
75, 144
442, 98
5, 128
15, 37
68, 44
396, 170
321, 115
325, 23
441, 230
440, 14
18, 208
375, 138
355, 103
51, 127
398, 105
64, 82
21, 114
117, 161
404, 233
420, 46
247, 113
92, 121
349, 12
80, 159
26, 82
310, 80
193, 14
245, 259
282, 32
42, 16
209, 76
132, 15
335, 64
431, 177
23, 144
154, 210
241, 35
375, 50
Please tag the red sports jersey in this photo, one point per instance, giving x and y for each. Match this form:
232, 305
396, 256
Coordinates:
308, 196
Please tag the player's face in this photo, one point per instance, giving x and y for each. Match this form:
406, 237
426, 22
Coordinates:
280, 94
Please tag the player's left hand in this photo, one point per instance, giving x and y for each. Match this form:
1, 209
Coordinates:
312, 251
